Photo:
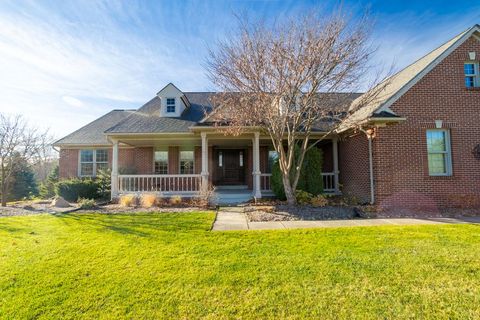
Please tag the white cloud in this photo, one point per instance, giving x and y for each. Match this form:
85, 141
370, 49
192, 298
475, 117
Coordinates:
72, 101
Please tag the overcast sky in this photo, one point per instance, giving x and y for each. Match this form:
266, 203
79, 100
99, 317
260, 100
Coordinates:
65, 63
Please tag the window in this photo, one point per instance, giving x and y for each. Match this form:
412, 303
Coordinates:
161, 162
91, 161
186, 162
471, 75
272, 158
220, 159
170, 105
241, 159
439, 154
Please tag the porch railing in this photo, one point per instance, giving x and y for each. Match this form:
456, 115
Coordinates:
169, 183
328, 182
266, 182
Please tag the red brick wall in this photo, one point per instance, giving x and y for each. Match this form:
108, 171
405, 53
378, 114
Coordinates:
173, 160
400, 152
353, 167
140, 160
198, 160
68, 163
249, 167
144, 160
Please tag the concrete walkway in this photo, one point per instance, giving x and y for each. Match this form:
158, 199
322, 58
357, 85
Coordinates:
233, 218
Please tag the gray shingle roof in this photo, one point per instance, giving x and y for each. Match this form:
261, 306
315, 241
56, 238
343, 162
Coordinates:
147, 120
93, 133
391, 88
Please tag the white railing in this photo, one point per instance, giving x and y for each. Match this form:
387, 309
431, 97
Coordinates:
165, 183
265, 181
328, 182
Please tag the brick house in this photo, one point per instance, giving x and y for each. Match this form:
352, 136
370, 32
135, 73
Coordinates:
417, 145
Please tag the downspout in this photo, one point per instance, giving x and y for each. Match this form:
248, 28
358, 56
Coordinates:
370, 133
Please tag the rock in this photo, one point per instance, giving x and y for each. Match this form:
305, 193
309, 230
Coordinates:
59, 202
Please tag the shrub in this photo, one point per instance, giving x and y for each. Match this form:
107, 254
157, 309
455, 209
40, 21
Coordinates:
148, 200
311, 182
175, 200
87, 203
303, 197
313, 165
127, 200
73, 189
104, 181
319, 201
204, 197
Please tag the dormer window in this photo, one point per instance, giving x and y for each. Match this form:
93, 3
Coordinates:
170, 105
471, 74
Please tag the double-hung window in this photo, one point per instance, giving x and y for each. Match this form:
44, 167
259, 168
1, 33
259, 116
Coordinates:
186, 162
92, 161
471, 74
439, 152
161, 162
170, 105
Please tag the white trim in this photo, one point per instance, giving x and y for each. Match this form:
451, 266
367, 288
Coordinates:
180, 159
447, 153
93, 162
387, 104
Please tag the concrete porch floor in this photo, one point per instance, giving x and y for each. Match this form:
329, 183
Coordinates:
233, 218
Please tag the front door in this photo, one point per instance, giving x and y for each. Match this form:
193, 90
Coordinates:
230, 167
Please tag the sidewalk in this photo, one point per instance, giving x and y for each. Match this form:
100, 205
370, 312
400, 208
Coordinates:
233, 218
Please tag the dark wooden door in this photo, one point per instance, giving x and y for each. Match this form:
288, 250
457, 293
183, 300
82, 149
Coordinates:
230, 167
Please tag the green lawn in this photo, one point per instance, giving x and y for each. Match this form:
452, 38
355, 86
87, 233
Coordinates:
171, 266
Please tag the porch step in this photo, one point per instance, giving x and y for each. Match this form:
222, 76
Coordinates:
232, 196
236, 187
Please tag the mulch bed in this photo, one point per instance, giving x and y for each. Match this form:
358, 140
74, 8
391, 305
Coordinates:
284, 212
22, 208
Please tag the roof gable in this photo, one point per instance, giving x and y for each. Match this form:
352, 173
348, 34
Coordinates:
395, 86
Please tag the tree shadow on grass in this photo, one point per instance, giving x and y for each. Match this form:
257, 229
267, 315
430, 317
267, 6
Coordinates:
137, 224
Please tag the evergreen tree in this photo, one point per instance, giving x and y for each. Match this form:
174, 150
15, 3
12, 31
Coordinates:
47, 188
23, 184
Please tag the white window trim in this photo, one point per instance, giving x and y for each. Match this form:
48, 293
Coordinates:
174, 105
475, 75
180, 161
94, 161
447, 152
168, 160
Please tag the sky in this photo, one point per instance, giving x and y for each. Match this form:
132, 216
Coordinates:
65, 63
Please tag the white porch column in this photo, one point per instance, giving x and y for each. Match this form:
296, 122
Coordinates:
204, 172
114, 187
256, 166
335, 164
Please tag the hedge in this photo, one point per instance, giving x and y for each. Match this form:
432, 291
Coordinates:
73, 189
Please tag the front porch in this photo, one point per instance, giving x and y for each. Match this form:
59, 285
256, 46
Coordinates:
238, 167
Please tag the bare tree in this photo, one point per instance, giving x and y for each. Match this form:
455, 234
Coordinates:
284, 79
17, 138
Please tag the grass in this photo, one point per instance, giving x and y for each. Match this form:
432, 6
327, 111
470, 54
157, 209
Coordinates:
171, 266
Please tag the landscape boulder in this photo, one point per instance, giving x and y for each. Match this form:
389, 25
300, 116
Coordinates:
59, 202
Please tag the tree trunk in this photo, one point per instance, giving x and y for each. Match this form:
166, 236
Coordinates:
289, 192
4, 187
4, 194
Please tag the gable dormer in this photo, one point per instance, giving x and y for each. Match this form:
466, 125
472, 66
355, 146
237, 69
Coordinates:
173, 101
